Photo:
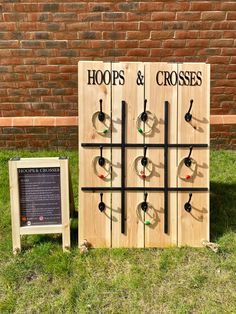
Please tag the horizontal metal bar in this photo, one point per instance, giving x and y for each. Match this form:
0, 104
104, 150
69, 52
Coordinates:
196, 189
160, 189
100, 144
188, 145
142, 145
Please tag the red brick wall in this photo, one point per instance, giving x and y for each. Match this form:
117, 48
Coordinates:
41, 43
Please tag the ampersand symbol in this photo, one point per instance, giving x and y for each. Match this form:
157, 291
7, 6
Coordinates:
140, 78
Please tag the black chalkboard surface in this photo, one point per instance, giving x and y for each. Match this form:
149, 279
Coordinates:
40, 196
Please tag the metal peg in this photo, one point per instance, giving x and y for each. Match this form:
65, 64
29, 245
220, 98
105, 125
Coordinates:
101, 115
101, 205
144, 115
188, 206
188, 115
188, 160
101, 160
144, 160
144, 204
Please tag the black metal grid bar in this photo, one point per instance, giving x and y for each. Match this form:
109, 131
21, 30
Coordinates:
130, 188
142, 145
123, 109
166, 168
166, 187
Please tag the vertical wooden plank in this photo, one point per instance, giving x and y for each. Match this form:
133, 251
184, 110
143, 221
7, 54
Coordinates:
93, 225
193, 226
191, 230
15, 207
90, 93
197, 175
65, 203
154, 233
133, 94
197, 130
157, 91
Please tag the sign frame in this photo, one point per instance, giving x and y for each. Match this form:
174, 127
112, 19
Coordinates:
17, 229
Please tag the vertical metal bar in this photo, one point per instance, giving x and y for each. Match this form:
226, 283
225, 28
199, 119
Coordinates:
123, 121
166, 166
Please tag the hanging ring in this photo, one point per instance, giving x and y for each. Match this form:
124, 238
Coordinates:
103, 171
148, 121
149, 211
187, 173
105, 123
143, 171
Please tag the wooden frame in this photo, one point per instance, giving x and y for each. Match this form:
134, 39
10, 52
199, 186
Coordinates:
17, 229
178, 97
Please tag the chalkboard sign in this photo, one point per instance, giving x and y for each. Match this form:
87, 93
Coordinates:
40, 198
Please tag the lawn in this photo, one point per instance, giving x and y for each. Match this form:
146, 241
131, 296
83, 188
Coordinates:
176, 280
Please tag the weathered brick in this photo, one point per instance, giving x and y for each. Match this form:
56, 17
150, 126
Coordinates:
144, 26
231, 15
115, 52
41, 35
210, 34
126, 44
188, 16
186, 34
4, 69
85, 17
68, 53
174, 25
60, 17
56, 44
128, 6
39, 91
47, 68
137, 35
114, 16
151, 6
162, 35
221, 43
78, 26
138, 16
173, 43
102, 26
9, 44
163, 16
31, 44
50, 7
114, 35
95, 7
77, 7
201, 5
176, 6
90, 35
228, 5
212, 15
15, 17
197, 43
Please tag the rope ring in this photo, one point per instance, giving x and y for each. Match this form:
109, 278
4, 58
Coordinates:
141, 172
107, 126
187, 173
154, 217
151, 117
106, 169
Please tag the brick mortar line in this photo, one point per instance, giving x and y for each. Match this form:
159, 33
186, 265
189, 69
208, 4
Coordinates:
73, 121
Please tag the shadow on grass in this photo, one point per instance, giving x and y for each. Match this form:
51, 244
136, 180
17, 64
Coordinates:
222, 208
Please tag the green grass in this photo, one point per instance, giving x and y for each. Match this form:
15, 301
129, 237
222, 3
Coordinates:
176, 280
